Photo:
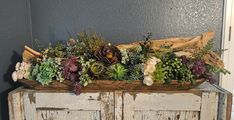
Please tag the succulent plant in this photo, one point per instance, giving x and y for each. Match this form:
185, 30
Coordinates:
116, 71
108, 54
45, 71
70, 69
97, 68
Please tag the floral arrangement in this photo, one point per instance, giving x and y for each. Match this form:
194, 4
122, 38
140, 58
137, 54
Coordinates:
89, 57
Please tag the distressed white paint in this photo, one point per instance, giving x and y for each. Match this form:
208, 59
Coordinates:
209, 106
67, 115
17, 106
159, 102
29, 105
163, 101
68, 101
107, 106
200, 103
166, 115
118, 105
34, 105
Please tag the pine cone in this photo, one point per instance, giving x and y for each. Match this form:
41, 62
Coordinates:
108, 54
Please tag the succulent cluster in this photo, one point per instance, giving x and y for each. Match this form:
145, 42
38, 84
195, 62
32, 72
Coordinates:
87, 57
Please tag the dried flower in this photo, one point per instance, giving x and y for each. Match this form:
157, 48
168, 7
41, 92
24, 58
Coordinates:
22, 70
149, 65
14, 76
148, 80
71, 42
108, 54
149, 68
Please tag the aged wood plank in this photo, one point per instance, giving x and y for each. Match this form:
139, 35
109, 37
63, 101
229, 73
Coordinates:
67, 115
224, 104
85, 101
16, 105
209, 106
159, 101
163, 101
107, 105
166, 115
118, 105
29, 104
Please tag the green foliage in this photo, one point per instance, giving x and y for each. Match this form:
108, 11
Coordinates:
159, 74
58, 50
84, 76
45, 71
215, 69
164, 52
136, 55
176, 70
146, 44
88, 42
117, 72
204, 50
135, 72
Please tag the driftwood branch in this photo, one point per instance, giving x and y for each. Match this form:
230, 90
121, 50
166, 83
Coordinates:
183, 46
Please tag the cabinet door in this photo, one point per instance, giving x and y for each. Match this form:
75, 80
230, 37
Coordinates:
32, 105
161, 106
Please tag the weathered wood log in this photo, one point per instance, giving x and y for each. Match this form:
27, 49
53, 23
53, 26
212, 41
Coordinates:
29, 53
177, 44
107, 85
212, 58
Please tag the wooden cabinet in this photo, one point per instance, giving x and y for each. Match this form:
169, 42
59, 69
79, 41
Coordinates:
206, 102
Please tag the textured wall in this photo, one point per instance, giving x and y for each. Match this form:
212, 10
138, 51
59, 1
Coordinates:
126, 20
14, 33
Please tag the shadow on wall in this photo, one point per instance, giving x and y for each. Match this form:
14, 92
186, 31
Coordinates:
7, 78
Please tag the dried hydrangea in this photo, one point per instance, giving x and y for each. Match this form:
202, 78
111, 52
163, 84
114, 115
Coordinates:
22, 70
149, 68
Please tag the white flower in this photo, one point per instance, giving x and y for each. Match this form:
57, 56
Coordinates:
148, 80
26, 75
20, 74
17, 66
149, 65
27, 66
14, 76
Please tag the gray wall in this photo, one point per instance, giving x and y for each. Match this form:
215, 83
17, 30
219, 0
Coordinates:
14, 33
126, 20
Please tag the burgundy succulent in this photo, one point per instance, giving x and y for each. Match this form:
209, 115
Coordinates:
184, 59
70, 69
108, 54
198, 68
77, 88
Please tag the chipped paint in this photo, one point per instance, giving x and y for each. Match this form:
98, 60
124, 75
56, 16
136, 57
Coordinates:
31, 98
133, 94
